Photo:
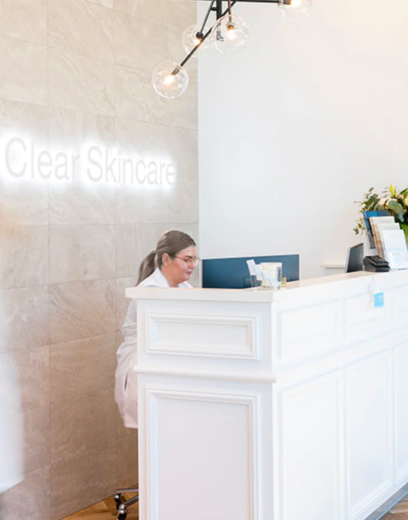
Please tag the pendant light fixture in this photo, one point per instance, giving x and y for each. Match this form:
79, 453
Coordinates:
296, 10
229, 35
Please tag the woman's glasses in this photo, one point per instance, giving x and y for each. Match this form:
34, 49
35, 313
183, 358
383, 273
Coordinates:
191, 262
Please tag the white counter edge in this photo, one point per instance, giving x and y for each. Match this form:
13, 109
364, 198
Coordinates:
255, 295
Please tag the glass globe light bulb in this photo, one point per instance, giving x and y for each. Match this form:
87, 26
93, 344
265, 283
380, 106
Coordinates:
191, 38
169, 79
230, 34
294, 9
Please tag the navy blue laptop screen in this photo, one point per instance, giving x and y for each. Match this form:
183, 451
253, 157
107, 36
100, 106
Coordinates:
232, 273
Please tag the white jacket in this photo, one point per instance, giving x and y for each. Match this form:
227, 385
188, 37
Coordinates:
126, 379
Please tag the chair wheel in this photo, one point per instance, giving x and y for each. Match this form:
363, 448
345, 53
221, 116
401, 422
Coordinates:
118, 500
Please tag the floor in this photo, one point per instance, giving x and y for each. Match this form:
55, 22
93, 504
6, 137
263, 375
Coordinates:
399, 511
106, 510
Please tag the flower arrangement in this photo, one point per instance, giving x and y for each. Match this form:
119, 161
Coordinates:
392, 200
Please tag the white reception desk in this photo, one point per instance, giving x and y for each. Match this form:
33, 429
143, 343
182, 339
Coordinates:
260, 405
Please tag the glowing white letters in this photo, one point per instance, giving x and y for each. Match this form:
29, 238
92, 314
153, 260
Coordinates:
22, 160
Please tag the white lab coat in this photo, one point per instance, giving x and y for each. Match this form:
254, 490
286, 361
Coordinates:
126, 379
11, 424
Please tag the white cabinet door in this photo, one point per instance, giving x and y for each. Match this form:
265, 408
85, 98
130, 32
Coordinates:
308, 448
401, 412
368, 433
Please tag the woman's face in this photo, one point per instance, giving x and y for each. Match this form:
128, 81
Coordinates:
178, 269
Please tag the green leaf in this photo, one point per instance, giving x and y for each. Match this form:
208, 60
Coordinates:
395, 207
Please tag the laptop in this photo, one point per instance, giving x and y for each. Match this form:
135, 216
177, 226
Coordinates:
355, 257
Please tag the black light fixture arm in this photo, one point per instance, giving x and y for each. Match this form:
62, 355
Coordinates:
201, 33
206, 35
218, 6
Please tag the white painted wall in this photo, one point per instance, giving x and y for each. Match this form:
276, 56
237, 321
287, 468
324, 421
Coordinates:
298, 126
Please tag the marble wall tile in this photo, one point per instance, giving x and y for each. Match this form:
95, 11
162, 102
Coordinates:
36, 438
184, 203
180, 15
153, 11
82, 480
134, 242
24, 318
80, 83
82, 423
23, 256
23, 120
30, 499
139, 44
24, 19
143, 139
136, 206
170, 144
78, 106
81, 27
10, 390
23, 74
34, 371
136, 99
122, 302
121, 430
150, 234
80, 204
81, 253
105, 3
128, 250
22, 202
182, 146
134, 95
82, 367
70, 129
82, 310
176, 50
183, 111
127, 460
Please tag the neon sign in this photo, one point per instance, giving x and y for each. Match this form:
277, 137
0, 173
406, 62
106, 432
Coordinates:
22, 160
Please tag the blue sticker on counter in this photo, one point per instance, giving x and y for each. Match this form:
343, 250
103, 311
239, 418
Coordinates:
379, 299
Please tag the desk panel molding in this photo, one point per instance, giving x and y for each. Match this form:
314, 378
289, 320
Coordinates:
276, 405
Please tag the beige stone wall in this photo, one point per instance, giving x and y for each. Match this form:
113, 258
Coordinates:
76, 71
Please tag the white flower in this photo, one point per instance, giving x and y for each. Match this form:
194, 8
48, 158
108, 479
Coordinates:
406, 201
383, 201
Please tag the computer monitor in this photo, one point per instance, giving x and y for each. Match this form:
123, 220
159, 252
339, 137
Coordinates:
232, 273
355, 257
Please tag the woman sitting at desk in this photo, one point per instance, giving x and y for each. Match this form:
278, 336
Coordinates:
169, 265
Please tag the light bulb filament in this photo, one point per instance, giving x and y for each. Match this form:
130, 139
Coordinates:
168, 80
198, 40
231, 31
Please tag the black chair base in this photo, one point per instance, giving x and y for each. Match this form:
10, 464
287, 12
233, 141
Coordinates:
122, 505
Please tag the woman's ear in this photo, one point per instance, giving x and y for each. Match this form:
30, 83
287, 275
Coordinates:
165, 259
